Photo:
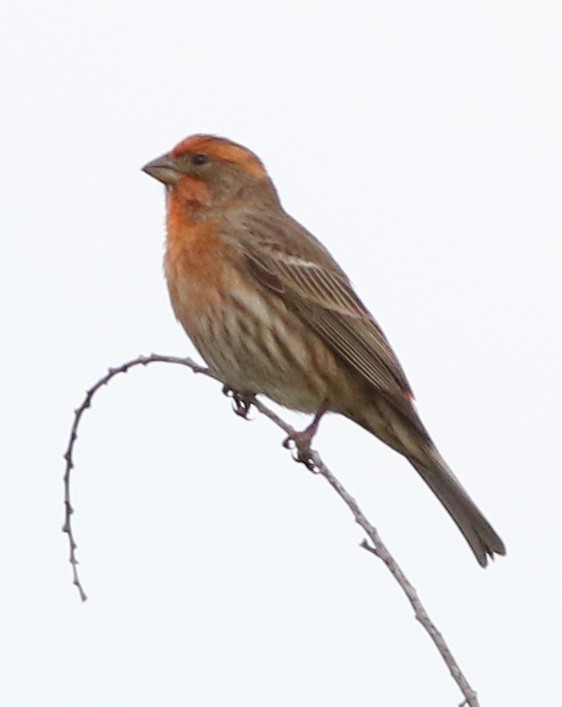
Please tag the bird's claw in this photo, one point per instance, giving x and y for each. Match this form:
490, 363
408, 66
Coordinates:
241, 402
299, 442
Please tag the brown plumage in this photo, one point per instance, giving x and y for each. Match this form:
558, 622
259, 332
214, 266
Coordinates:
271, 312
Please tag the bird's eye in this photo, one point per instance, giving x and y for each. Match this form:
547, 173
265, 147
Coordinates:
200, 158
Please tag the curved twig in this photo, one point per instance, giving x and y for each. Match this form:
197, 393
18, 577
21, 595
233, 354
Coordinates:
304, 454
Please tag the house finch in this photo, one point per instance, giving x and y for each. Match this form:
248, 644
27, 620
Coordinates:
271, 312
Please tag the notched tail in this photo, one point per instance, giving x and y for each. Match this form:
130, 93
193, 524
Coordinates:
482, 538
402, 430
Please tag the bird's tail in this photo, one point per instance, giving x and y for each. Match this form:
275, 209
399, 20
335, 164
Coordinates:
403, 431
482, 538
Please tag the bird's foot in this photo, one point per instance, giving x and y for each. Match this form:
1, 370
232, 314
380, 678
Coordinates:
241, 402
301, 441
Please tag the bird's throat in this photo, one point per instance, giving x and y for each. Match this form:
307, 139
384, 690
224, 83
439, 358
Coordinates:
187, 196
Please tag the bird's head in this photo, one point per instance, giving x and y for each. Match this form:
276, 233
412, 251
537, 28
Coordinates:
211, 171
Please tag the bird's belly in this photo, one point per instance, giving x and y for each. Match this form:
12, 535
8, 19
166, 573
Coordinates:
255, 345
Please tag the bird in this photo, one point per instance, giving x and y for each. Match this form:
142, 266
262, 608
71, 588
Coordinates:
272, 313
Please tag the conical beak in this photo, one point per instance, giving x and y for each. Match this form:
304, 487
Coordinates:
165, 169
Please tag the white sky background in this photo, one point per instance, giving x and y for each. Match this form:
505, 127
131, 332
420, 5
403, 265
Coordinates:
422, 143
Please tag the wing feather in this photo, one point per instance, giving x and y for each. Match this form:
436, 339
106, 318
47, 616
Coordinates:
319, 292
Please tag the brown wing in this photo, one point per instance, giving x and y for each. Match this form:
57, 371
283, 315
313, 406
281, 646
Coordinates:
314, 286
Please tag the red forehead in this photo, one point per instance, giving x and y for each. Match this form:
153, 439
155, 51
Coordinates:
222, 149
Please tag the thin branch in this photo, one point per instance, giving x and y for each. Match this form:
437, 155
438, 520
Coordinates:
304, 454
68, 455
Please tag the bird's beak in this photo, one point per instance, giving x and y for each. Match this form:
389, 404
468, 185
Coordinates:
165, 169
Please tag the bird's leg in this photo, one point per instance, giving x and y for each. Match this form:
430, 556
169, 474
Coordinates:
302, 440
241, 402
